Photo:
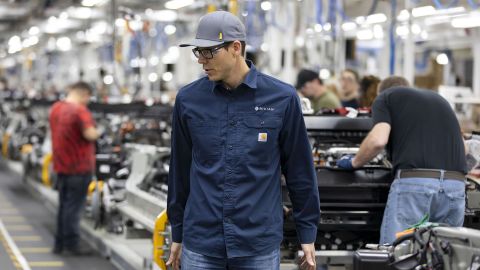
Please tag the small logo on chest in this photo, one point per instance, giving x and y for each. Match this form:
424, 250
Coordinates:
258, 108
262, 137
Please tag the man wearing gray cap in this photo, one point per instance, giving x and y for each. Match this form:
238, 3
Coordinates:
234, 132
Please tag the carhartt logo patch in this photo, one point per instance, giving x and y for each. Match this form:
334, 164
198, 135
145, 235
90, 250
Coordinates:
262, 137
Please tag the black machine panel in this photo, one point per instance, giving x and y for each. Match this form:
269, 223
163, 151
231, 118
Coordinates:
352, 202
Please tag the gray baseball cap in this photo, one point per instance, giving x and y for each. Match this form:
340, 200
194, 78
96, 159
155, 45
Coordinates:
217, 28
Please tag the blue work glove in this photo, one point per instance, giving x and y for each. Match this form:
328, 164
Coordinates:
345, 162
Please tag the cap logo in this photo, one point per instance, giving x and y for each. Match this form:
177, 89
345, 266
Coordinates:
220, 36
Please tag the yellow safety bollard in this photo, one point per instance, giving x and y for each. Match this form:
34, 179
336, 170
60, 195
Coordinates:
159, 235
5, 141
211, 8
94, 185
47, 160
233, 7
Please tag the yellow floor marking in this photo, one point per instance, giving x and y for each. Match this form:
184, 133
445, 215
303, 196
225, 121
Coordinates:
13, 218
19, 228
31, 250
26, 238
16, 256
46, 264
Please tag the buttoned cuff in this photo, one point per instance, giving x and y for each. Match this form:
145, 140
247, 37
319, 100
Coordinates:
177, 233
307, 236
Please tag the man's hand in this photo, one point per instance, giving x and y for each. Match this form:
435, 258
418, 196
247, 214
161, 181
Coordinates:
345, 162
175, 255
307, 262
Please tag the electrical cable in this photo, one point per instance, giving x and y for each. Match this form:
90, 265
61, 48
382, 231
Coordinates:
373, 8
319, 11
392, 36
439, 4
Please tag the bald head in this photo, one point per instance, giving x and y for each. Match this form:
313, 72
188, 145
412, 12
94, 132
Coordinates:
392, 81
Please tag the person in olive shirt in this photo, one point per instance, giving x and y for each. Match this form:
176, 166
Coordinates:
311, 86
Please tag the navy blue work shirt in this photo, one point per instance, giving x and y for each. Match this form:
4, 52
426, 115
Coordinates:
229, 148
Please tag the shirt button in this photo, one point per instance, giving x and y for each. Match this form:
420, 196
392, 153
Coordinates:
230, 147
229, 172
232, 123
262, 123
228, 220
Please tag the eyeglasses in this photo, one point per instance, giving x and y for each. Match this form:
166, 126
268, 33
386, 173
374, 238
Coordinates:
208, 53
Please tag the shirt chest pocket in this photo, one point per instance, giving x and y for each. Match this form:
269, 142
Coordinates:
260, 138
206, 139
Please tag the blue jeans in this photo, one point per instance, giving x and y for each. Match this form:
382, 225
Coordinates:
411, 198
194, 261
72, 194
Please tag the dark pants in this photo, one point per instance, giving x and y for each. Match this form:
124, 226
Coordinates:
72, 191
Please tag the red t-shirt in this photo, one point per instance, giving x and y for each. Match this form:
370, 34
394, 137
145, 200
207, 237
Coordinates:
72, 153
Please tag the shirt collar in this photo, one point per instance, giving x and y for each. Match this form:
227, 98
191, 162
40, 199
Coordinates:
250, 79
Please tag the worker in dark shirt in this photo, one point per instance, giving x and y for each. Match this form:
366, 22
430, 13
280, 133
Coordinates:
234, 132
73, 136
423, 139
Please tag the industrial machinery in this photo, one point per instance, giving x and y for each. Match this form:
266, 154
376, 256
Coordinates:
352, 202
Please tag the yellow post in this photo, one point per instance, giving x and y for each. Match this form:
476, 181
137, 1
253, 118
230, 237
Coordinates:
5, 141
94, 185
47, 159
211, 8
159, 234
233, 6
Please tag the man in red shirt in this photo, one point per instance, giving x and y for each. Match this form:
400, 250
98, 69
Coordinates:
73, 136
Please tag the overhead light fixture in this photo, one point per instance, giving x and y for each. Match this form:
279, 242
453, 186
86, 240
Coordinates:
349, 26
167, 76
264, 47
164, 15
154, 60
300, 41
63, 15
327, 27
404, 15
423, 11
171, 56
360, 19
34, 30
376, 18
91, 3
365, 34
402, 31
30, 41
153, 77
325, 74
14, 44
80, 12
470, 21
119, 22
266, 5
108, 79
177, 4
442, 59
64, 44
424, 35
416, 29
170, 29
447, 11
